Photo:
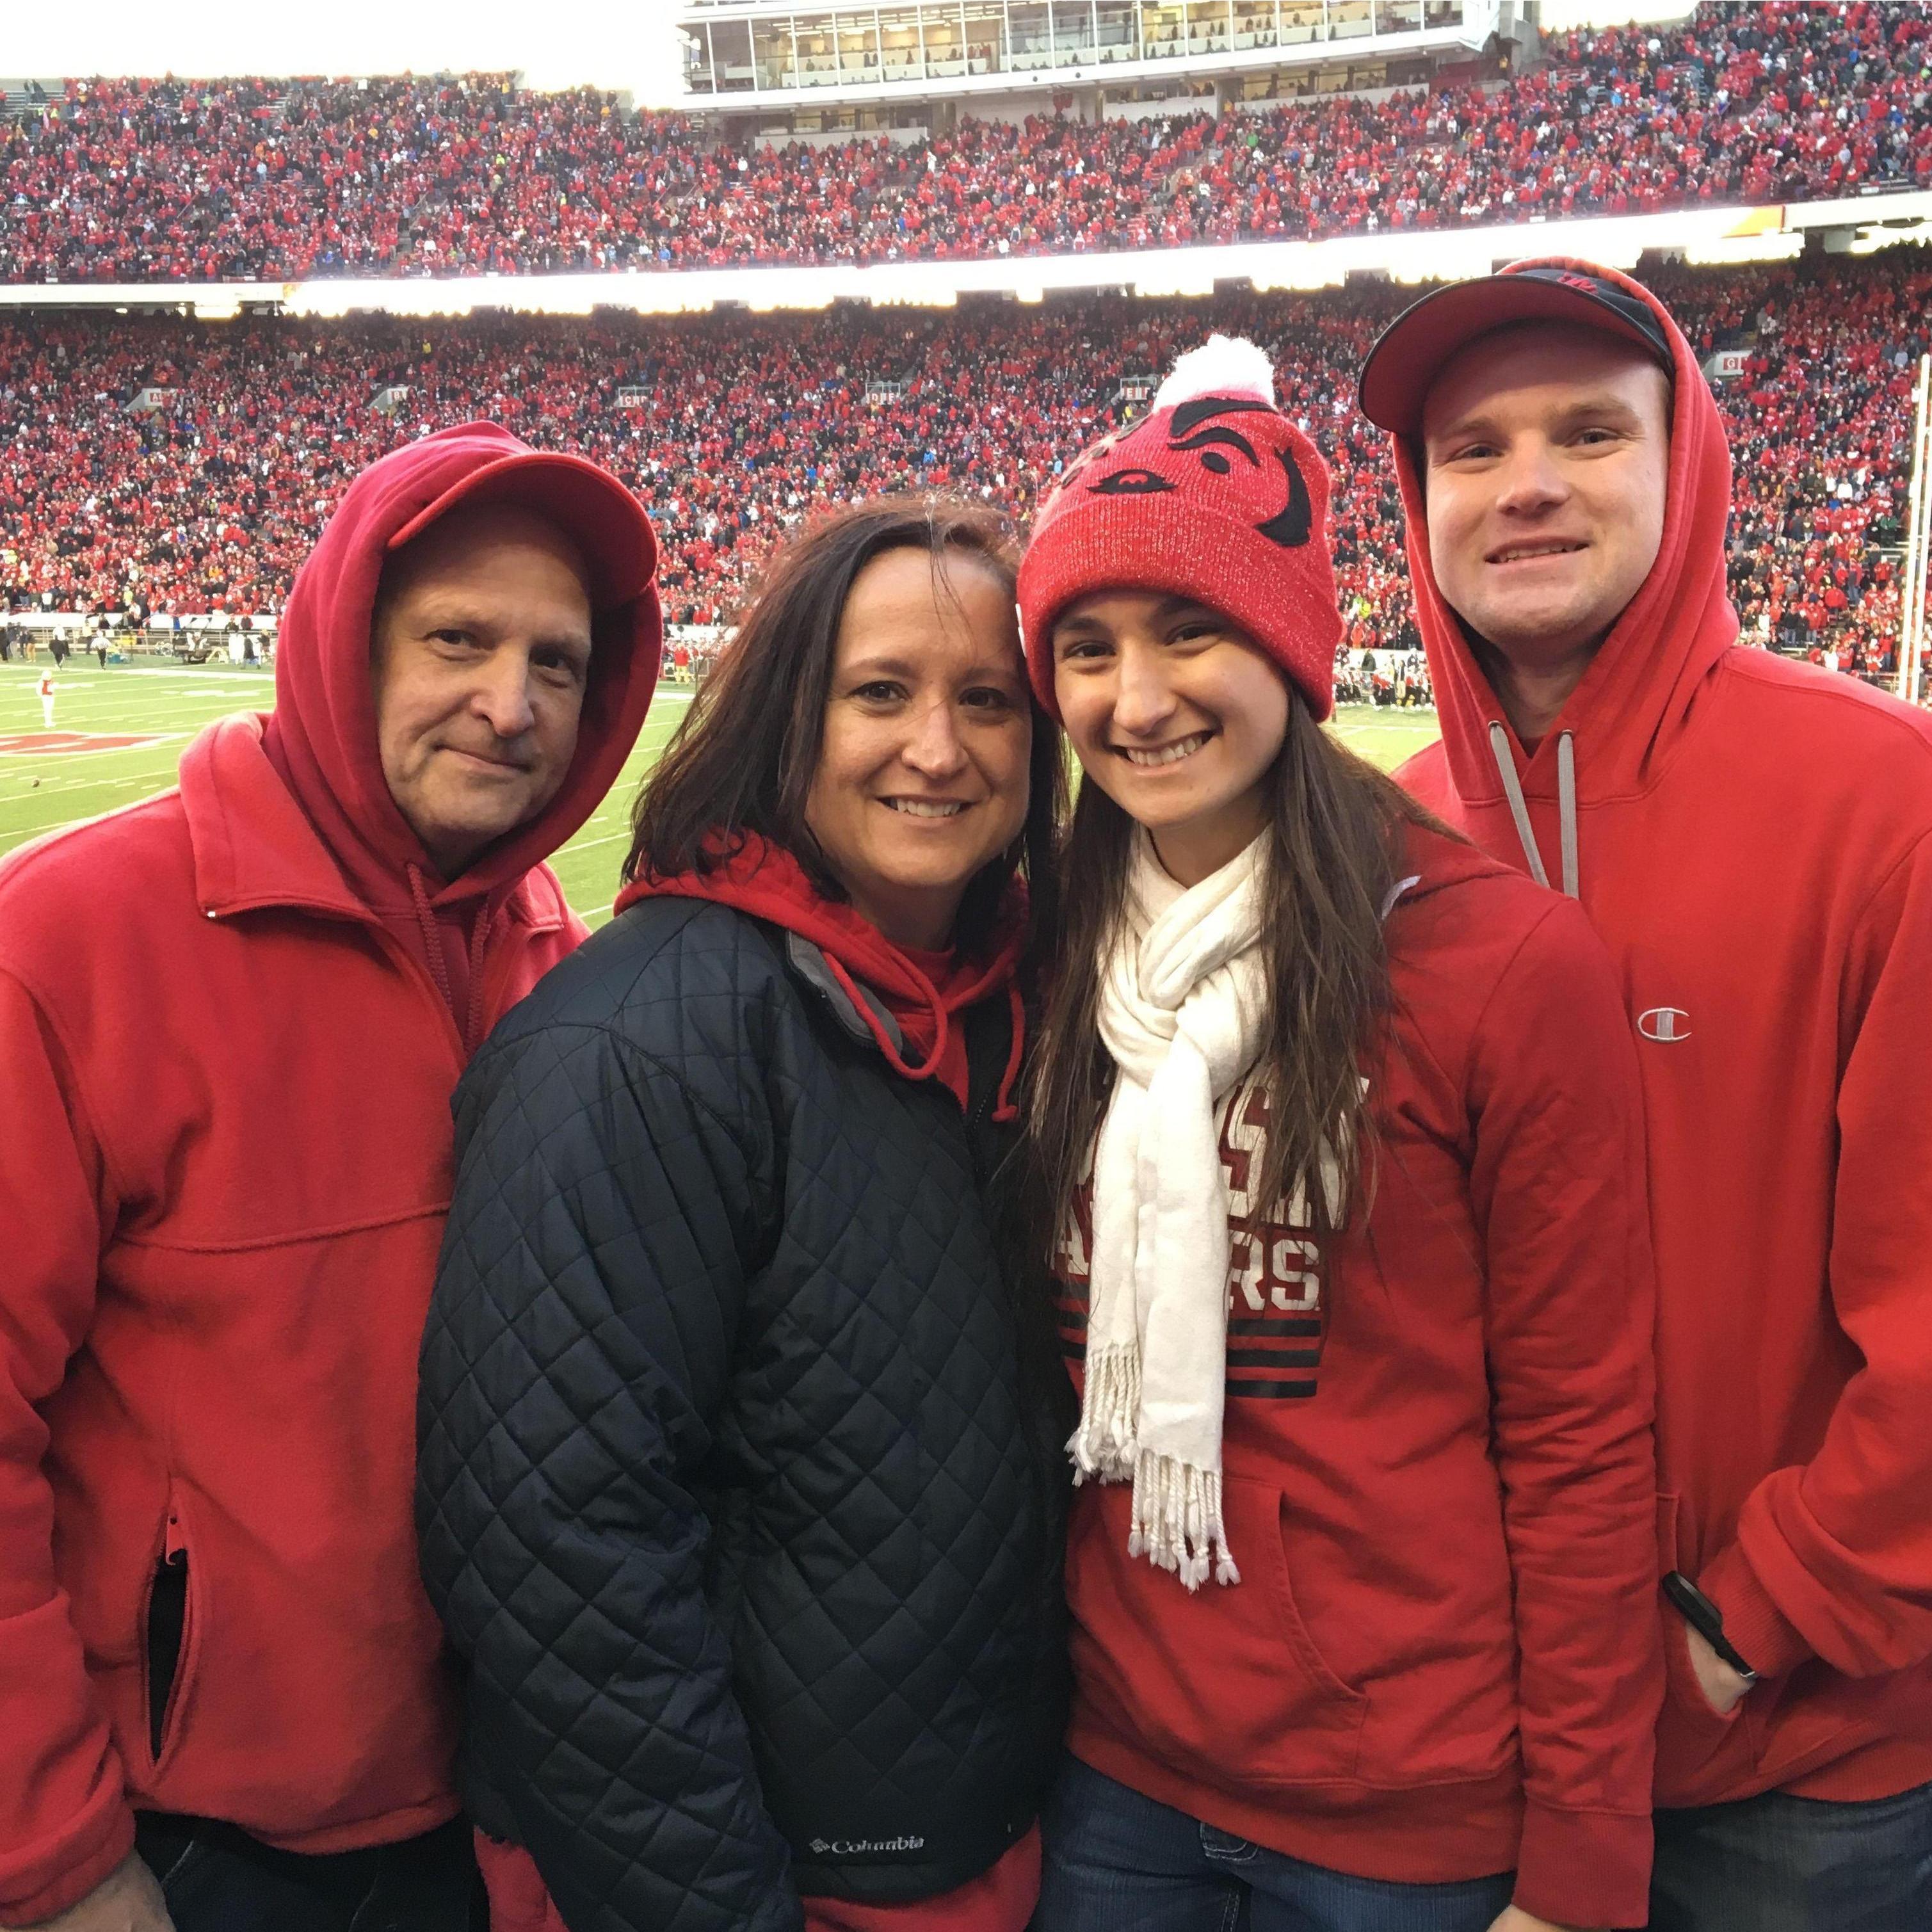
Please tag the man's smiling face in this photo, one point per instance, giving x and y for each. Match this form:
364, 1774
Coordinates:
1546, 457
480, 657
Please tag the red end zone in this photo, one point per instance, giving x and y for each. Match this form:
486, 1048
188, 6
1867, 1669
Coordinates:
37, 743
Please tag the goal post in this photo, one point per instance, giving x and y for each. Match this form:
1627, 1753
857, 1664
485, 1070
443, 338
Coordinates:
1918, 531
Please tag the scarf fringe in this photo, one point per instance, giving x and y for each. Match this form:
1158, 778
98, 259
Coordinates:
1177, 1524
1102, 1447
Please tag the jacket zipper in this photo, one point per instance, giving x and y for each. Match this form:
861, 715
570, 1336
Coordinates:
167, 1633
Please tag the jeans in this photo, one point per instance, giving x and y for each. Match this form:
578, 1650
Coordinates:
1116, 1860
1780, 1864
215, 1878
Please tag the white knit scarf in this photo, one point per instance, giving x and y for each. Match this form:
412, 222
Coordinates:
1182, 1002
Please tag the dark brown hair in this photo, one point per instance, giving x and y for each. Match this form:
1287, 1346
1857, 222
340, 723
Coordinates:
1334, 834
744, 757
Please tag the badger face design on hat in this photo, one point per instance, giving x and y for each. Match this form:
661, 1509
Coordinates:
1215, 496
1248, 457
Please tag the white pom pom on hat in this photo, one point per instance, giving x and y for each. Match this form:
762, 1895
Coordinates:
1224, 365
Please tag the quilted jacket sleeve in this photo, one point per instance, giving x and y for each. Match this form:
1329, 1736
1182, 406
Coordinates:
591, 1281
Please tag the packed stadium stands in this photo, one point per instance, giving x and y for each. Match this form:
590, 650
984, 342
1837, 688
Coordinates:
152, 180
207, 494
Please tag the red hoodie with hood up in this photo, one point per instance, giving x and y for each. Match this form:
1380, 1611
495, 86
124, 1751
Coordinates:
1753, 839
231, 1020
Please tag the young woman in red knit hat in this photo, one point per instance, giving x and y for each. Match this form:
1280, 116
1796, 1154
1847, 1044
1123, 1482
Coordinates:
1341, 1122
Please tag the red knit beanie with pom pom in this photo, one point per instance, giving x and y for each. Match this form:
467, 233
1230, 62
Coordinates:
1213, 496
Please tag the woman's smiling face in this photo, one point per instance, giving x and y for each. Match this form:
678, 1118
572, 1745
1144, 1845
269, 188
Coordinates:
923, 771
1177, 714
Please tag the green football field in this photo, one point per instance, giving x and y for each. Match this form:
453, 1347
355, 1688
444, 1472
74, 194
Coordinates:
42, 790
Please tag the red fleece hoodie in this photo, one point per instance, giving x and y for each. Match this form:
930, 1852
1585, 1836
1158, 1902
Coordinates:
1442, 1659
226, 1055
926, 994
1754, 841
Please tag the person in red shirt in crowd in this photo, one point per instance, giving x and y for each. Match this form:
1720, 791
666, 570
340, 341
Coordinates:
272, 419
157, 180
1754, 840
1341, 1127
231, 1020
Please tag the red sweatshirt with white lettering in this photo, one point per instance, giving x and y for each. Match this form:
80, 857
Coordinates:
1443, 1659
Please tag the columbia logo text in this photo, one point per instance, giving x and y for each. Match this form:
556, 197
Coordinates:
852, 1848
1668, 1023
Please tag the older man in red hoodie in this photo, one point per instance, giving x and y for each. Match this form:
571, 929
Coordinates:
1754, 838
231, 1020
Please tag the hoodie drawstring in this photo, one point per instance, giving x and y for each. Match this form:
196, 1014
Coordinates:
1566, 805
480, 934
439, 965
1566, 810
1004, 1107
894, 1057
488, 918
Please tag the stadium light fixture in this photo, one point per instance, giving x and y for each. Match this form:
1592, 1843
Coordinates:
770, 304
1884, 235
1176, 276
1302, 273
575, 294
1441, 258
1739, 251
908, 285
1715, 237
660, 295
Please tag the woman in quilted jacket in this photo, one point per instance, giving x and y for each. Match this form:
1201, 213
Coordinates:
1341, 1129
742, 1493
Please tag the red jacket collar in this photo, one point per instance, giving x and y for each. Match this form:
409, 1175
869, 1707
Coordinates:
254, 847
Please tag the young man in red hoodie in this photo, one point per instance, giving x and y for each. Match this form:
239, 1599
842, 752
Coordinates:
1754, 838
231, 1021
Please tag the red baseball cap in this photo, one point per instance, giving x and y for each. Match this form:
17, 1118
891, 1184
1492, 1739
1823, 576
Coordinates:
1414, 349
589, 504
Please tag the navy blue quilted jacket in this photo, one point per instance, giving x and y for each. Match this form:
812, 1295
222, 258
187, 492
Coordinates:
730, 1496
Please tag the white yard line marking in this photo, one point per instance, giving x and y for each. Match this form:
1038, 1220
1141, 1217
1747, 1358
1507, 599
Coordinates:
148, 740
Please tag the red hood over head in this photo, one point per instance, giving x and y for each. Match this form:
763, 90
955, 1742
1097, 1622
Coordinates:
1638, 690
321, 736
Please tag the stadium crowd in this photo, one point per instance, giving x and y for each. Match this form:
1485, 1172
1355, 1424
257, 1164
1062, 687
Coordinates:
735, 426
252, 179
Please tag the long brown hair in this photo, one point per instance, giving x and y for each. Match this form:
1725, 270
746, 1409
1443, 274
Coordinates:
743, 759
1334, 830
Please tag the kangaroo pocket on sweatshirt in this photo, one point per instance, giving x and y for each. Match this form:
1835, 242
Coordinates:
255, 1621
1224, 1682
